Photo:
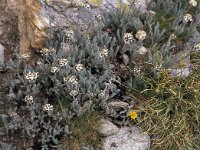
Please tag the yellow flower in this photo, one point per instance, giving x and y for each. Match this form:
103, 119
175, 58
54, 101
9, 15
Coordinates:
133, 115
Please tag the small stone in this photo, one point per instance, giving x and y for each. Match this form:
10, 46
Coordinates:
125, 59
107, 128
142, 50
127, 139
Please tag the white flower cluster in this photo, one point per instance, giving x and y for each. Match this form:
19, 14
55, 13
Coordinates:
153, 13
104, 52
69, 35
79, 67
137, 70
46, 51
172, 36
48, 107
81, 4
128, 38
29, 99
71, 79
90, 94
54, 69
187, 18
158, 68
73, 93
141, 35
197, 47
193, 3
102, 95
31, 76
98, 18
63, 62
25, 56
136, 2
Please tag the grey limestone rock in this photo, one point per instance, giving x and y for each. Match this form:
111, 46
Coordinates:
127, 139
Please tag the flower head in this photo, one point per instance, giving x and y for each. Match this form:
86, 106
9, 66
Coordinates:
29, 99
69, 36
141, 35
46, 51
25, 56
69, 33
98, 18
187, 17
136, 2
102, 95
48, 107
80, 4
63, 62
137, 70
153, 13
31, 75
90, 94
193, 3
87, 6
128, 38
197, 47
158, 68
172, 36
71, 79
133, 115
54, 69
79, 67
73, 93
104, 52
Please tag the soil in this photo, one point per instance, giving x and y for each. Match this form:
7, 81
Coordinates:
10, 40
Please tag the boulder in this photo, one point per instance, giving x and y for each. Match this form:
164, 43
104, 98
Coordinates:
128, 138
36, 16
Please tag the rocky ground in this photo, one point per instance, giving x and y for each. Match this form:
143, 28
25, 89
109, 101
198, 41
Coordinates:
9, 41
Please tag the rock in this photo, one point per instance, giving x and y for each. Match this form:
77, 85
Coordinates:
107, 128
117, 105
142, 50
181, 72
117, 109
127, 139
125, 59
12, 5
36, 16
2, 48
